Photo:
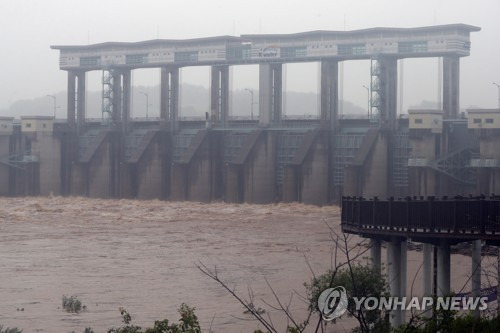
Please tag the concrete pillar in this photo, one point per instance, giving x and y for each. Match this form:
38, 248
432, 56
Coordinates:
388, 91
476, 271
443, 268
376, 252
427, 259
71, 97
404, 266
219, 95
498, 279
117, 97
451, 87
329, 93
169, 100
270, 94
127, 92
164, 95
80, 106
394, 267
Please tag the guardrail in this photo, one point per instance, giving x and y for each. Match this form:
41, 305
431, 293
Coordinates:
458, 217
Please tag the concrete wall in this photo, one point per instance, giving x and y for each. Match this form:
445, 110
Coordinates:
368, 174
376, 171
199, 175
422, 180
99, 171
149, 170
4, 169
306, 179
314, 173
233, 191
489, 178
259, 171
48, 149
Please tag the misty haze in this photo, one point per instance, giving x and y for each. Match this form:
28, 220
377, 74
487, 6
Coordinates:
264, 166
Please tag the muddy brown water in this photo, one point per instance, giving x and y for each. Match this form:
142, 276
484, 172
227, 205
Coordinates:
141, 255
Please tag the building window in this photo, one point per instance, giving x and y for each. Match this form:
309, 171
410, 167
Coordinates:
239, 52
28, 125
188, 56
418, 121
90, 61
351, 49
412, 47
44, 125
136, 59
477, 120
293, 52
489, 121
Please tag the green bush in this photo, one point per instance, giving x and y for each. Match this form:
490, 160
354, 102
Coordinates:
10, 330
360, 280
72, 304
187, 324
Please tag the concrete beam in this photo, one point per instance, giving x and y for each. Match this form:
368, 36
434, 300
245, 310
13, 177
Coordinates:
117, 97
80, 100
388, 91
71, 97
329, 93
451, 87
270, 94
127, 93
169, 99
219, 95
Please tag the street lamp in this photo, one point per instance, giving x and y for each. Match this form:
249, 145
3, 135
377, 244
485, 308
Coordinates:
498, 87
368, 91
55, 104
147, 103
251, 110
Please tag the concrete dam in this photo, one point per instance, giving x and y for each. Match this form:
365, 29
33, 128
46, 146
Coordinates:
270, 158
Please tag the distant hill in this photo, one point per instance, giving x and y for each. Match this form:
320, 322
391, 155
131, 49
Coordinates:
194, 102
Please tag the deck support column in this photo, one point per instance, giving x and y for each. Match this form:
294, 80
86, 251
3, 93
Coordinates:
376, 252
427, 258
476, 271
394, 266
443, 268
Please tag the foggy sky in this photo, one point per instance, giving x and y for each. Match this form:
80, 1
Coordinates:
29, 68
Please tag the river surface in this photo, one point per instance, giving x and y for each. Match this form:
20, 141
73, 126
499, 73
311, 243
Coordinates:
142, 255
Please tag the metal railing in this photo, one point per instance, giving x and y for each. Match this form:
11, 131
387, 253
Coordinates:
458, 215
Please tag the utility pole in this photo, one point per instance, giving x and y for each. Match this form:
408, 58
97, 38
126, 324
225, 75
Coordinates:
147, 103
251, 109
498, 88
55, 104
368, 108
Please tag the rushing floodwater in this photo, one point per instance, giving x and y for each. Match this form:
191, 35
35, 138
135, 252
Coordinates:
141, 255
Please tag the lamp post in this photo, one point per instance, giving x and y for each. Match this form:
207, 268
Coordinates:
498, 87
251, 110
147, 103
368, 92
55, 104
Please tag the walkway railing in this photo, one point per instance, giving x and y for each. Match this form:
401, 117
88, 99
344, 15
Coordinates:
457, 217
